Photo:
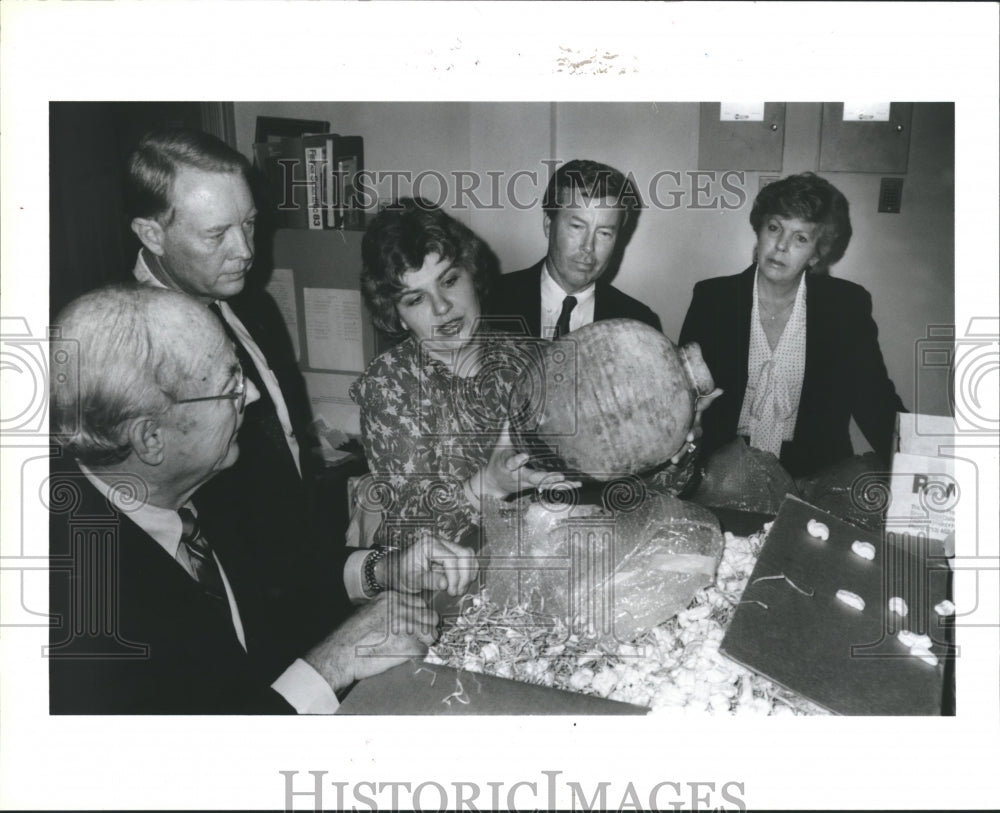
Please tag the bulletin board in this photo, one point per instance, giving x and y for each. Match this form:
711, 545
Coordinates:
316, 283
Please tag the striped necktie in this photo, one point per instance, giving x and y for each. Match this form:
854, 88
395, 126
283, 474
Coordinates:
195, 555
562, 325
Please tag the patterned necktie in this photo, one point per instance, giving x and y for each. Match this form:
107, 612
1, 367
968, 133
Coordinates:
562, 325
195, 555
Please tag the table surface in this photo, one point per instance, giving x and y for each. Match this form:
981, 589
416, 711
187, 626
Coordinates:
420, 688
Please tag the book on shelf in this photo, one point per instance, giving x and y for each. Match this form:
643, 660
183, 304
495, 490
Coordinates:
345, 204
312, 180
282, 161
316, 149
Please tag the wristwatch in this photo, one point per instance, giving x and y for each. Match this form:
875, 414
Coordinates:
372, 586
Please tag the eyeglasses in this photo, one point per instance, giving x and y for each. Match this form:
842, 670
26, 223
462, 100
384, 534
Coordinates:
238, 396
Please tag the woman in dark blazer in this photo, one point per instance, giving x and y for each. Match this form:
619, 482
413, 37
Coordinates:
794, 350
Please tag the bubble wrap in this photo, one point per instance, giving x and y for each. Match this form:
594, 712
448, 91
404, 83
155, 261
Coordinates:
611, 571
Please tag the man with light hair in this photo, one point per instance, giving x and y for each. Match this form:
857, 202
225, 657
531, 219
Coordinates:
155, 605
192, 209
587, 208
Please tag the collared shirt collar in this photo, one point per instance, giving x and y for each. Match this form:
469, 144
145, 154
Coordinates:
552, 291
552, 296
143, 273
162, 524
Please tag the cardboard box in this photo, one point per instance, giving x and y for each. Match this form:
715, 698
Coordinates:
923, 488
923, 434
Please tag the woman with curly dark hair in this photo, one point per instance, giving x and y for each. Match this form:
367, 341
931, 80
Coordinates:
434, 408
794, 350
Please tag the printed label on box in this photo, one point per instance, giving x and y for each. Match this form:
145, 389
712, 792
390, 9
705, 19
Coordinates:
924, 494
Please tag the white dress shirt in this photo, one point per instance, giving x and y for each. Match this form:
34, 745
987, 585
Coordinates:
552, 302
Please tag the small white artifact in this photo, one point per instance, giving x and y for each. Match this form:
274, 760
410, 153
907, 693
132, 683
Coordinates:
818, 529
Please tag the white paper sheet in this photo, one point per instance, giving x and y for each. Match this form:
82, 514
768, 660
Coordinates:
866, 111
333, 329
741, 111
282, 289
329, 398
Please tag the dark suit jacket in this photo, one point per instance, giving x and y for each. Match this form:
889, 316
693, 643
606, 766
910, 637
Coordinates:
845, 375
265, 472
261, 317
133, 632
520, 295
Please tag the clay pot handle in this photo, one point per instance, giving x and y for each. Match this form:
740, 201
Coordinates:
695, 368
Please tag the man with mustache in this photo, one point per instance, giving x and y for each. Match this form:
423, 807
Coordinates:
586, 207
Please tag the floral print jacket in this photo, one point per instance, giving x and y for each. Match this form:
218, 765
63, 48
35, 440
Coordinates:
425, 430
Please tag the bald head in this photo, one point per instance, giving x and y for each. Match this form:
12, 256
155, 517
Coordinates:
137, 349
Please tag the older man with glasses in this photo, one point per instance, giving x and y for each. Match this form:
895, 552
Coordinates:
238, 396
155, 612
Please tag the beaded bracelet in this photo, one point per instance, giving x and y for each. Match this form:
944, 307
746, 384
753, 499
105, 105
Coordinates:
372, 585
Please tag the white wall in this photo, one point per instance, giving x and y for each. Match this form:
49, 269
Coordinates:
905, 260
510, 138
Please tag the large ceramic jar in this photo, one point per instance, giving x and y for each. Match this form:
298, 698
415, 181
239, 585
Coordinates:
615, 397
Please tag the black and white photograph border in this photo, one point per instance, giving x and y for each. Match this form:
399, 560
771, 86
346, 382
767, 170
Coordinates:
482, 53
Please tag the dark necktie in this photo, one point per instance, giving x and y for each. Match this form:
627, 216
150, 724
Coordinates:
195, 554
562, 325
249, 368
261, 416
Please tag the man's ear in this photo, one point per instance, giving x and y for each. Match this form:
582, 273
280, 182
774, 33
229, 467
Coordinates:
546, 224
150, 234
147, 440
